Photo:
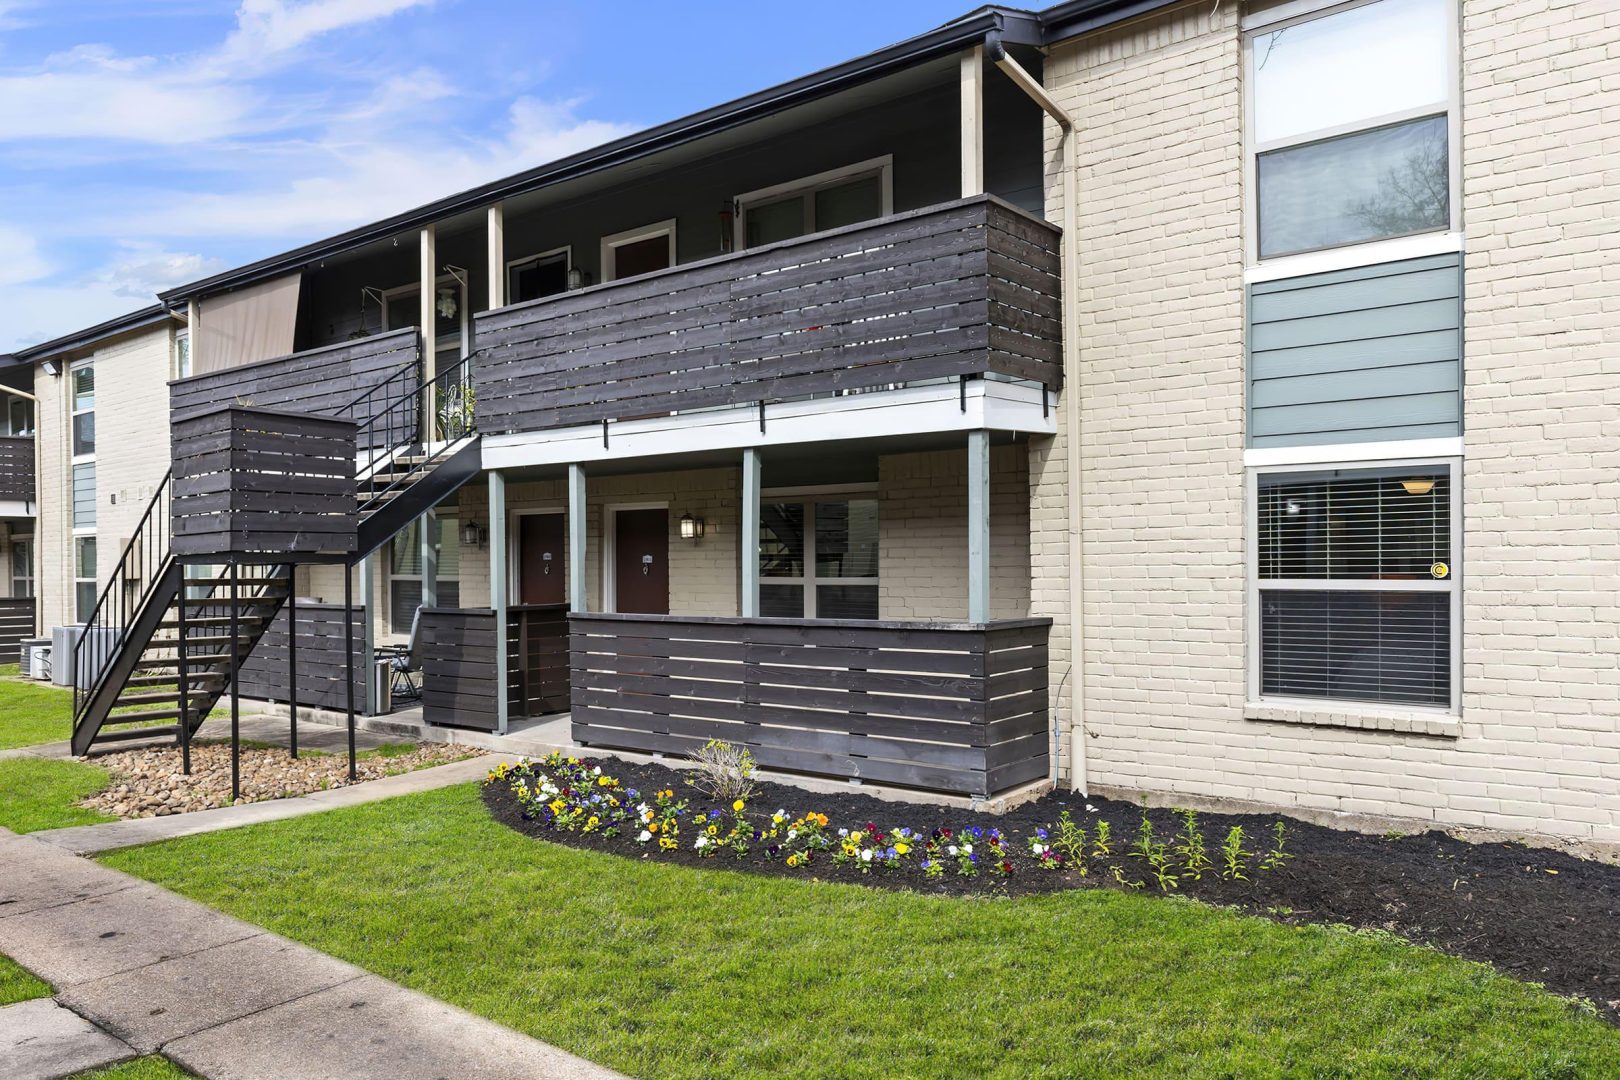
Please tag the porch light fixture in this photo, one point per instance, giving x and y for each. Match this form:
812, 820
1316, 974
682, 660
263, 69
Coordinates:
577, 278
473, 535
691, 527
447, 303
1418, 487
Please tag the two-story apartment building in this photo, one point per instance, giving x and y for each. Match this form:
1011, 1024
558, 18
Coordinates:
1158, 397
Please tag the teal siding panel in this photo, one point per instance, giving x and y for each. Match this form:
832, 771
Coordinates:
1359, 355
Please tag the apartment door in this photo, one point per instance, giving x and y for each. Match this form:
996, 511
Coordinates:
641, 561
541, 576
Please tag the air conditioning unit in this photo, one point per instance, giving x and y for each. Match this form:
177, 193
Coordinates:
36, 658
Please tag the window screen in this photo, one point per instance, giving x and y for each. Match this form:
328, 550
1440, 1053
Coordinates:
1356, 584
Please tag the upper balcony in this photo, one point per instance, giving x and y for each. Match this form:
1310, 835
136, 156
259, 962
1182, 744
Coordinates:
17, 483
957, 291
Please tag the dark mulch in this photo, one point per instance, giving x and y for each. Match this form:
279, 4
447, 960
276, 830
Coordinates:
1540, 915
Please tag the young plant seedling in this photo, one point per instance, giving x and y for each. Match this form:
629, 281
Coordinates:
1276, 856
1233, 857
1194, 859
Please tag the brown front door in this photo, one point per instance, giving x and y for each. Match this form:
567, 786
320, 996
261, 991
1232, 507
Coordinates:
541, 577
641, 562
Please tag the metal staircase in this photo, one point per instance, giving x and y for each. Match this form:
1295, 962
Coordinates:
151, 664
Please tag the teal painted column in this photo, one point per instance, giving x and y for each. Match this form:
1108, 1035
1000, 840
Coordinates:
978, 471
368, 648
576, 538
428, 527
499, 589
749, 544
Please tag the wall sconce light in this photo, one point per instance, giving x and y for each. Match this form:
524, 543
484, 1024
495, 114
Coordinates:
49, 367
473, 535
577, 278
691, 527
1418, 487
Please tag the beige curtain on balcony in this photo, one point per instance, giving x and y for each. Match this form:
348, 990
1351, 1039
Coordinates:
243, 327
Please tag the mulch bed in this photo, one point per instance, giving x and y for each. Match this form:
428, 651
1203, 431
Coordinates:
1537, 914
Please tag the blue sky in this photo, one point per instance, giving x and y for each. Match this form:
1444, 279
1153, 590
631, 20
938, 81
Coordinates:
144, 144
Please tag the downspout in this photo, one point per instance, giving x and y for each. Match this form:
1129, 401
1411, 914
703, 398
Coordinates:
997, 52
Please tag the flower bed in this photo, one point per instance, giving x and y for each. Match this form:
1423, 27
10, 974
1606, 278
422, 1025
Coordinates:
1542, 915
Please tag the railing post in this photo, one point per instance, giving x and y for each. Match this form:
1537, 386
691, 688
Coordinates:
978, 471
369, 630
498, 596
348, 661
429, 290
750, 534
236, 699
185, 679
576, 539
428, 530
292, 663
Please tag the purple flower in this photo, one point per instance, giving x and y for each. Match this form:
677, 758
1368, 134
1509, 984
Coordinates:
974, 859
1041, 833
926, 863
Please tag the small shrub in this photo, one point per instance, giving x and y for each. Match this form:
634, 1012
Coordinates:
1233, 857
1194, 859
724, 772
1276, 856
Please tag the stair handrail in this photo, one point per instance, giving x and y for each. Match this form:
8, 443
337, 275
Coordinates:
442, 416
143, 562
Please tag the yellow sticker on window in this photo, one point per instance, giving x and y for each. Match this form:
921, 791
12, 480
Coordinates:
1439, 570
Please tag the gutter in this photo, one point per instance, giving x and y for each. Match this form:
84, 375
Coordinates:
996, 51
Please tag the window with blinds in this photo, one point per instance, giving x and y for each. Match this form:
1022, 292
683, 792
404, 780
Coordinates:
1356, 584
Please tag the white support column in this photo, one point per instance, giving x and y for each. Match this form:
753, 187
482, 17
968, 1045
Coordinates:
428, 526
576, 538
497, 256
750, 534
973, 121
429, 282
499, 584
978, 471
193, 321
368, 647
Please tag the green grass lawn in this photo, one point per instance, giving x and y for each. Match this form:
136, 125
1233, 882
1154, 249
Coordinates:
16, 984
36, 793
32, 713
663, 971
146, 1068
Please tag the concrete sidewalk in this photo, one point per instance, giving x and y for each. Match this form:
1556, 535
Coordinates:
90, 839
228, 1000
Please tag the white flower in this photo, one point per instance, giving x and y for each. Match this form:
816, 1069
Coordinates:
792, 833
702, 842
1090, 809
866, 855
597, 771
951, 850
843, 832
967, 849
644, 836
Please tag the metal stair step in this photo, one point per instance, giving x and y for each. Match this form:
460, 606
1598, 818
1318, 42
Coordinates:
124, 735
211, 620
147, 699
191, 639
174, 661
142, 717
169, 680
254, 600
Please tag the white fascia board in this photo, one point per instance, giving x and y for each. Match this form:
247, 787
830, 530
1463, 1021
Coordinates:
1403, 450
996, 406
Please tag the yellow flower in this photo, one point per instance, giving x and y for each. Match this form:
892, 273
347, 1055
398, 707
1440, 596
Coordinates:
652, 826
594, 820
901, 849
821, 819
713, 831
793, 860
738, 805
855, 837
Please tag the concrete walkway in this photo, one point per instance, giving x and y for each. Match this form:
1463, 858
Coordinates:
90, 839
226, 999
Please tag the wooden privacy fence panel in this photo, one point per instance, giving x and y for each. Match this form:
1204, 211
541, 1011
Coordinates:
324, 381
17, 468
963, 289
458, 664
948, 707
258, 481
16, 625
321, 667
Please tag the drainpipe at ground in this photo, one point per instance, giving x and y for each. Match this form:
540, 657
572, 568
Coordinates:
1070, 167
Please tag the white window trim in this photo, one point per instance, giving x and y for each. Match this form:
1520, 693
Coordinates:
882, 166
610, 514
809, 580
1454, 584
1369, 252
611, 244
182, 336
1273, 458
17, 541
391, 296
514, 537
93, 580
566, 251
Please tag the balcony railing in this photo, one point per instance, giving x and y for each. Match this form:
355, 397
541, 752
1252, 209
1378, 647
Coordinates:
459, 664
965, 289
17, 469
955, 707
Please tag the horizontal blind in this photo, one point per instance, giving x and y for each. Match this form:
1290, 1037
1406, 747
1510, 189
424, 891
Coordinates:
1357, 646
1367, 524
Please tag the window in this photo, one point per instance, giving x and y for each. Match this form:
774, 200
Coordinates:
1355, 590
182, 354
405, 572
18, 418
22, 566
540, 275
819, 558
84, 577
638, 251
827, 200
1351, 125
84, 410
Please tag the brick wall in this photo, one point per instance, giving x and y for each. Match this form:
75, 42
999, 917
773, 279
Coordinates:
922, 534
1537, 749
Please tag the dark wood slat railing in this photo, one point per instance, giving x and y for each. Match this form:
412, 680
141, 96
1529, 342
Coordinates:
321, 664
955, 707
261, 481
16, 626
322, 381
964, 289
17, 468
458, 664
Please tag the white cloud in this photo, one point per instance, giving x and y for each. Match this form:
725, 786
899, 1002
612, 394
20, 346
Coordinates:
20, 258
265, 28
143, 269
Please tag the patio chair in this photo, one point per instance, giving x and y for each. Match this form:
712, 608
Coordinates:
405, 663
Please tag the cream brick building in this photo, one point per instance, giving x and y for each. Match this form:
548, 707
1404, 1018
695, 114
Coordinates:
1339, 339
